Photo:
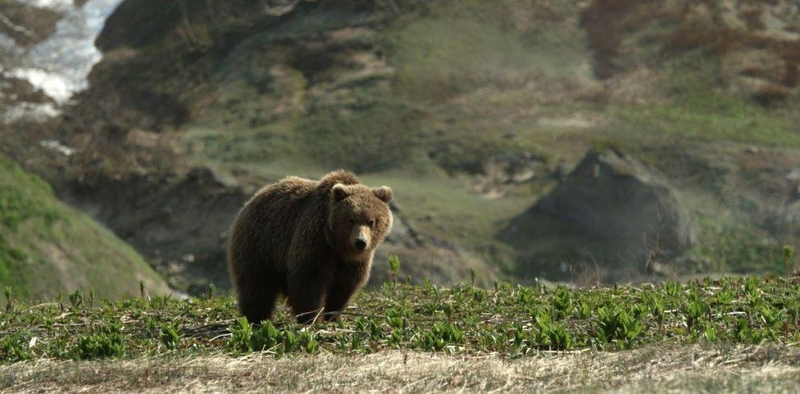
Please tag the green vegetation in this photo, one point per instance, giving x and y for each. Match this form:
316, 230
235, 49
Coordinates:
508, 321
47, 248
700, 110
740, 249
366, 141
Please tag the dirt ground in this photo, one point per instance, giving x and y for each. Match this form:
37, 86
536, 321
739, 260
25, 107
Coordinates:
674, 369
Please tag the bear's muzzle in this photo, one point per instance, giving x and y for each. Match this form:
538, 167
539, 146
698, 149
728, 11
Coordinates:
362, 238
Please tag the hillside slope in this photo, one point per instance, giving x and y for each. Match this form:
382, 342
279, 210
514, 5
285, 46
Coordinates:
471, 110
47, 249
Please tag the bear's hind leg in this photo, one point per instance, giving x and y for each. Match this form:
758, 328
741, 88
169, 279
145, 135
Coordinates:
257, 294
259, 307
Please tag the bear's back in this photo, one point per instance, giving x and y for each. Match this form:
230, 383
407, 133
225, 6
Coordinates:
278, 203
276, 212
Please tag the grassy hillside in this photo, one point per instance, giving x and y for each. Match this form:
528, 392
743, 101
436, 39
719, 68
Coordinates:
441, 100
47, 249
456, 83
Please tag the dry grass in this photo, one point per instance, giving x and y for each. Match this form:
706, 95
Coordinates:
694, 368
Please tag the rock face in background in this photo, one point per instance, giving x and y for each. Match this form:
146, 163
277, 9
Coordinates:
27, 25
613, 210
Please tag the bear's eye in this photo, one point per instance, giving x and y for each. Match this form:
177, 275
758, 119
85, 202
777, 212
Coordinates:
372, 222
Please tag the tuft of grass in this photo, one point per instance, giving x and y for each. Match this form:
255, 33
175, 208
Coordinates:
788, 260
9, 303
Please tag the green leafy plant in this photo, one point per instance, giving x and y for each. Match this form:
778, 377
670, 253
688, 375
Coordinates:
241, 338
9, 302
106, 341
472, 275
710, 334
562, 302
266, 337
788, 260
693, 310
169, 336
512, 321
76, 299
15, 347
441, 336
394, 267
618, 326
142, 289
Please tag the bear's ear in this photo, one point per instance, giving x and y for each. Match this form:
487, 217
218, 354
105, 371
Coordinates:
384, 193
339, 192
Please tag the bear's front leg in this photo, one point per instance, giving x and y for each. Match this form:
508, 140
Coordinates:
336, 302
349, 277
307, 287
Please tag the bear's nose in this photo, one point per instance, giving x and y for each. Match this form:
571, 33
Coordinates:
361, 244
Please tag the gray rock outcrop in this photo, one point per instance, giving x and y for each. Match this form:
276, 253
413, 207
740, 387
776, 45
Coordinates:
612, 210
614, 197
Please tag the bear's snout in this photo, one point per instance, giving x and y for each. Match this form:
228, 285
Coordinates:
362, 237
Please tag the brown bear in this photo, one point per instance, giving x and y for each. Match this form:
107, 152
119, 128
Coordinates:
311, 241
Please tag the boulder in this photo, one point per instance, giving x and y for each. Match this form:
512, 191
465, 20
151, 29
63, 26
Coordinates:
612, 197
612, 210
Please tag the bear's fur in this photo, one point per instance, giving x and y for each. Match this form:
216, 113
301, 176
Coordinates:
311, 241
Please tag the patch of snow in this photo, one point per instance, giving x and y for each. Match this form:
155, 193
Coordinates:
30, 111
57, 146
60, 65
59, 5
58, 86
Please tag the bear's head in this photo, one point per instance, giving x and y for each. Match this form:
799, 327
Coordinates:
359, 218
